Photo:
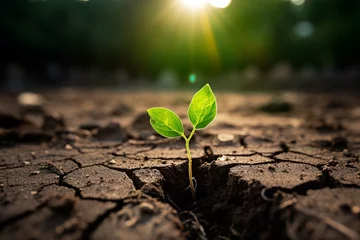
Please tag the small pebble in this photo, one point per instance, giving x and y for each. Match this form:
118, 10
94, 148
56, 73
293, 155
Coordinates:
68, 147
355, 210
224, 137
26, 162
33, 192
112, 161
87, 175
54, 169
30, 99
146, 207
152, 137
225, 158
35, 173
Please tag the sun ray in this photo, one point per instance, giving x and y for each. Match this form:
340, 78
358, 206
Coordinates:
196, 26
210, 41
195, 4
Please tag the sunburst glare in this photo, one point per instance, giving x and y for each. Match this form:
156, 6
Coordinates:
219, 3
196, 4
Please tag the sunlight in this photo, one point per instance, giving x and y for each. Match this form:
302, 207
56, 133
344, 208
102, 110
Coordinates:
210, 41
194, 3
219, 3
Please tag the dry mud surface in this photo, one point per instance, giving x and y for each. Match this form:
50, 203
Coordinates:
87, 165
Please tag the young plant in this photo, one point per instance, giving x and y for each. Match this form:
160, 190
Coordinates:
201, 112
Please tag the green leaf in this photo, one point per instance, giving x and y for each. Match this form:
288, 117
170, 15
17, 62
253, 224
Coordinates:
165, 122
202, 109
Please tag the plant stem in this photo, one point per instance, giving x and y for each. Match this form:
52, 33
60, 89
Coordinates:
187, 142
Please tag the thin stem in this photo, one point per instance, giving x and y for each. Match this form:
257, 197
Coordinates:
192, 133
187, 142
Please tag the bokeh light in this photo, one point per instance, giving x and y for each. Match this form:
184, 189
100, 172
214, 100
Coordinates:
304, 29
298, 2
192, 78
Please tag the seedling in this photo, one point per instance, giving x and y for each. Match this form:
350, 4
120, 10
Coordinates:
201, 112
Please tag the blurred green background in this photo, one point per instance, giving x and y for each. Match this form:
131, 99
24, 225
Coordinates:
56, 41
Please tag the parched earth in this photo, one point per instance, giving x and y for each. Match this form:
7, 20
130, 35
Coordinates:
87, 165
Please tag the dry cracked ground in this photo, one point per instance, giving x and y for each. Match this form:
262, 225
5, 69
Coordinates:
87, 165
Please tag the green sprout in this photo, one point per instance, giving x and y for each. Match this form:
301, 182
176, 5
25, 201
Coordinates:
201, 112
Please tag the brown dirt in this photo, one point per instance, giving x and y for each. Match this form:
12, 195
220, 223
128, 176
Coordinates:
87, 165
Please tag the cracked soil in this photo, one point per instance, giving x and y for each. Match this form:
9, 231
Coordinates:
87, 165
